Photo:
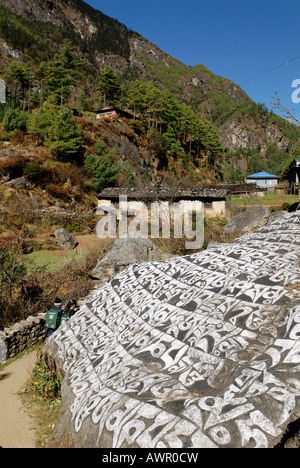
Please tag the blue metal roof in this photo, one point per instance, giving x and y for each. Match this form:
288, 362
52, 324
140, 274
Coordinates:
263, 175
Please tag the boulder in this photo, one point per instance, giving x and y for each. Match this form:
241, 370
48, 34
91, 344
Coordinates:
252, 218
19, 184
275, 215
193, 352
65, 240
125, 252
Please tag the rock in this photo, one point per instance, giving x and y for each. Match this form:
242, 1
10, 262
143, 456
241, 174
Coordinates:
34, 202
252, 218
65, 240
125, 252
2, 351
275, 215
19, 184
195, 352
246, 133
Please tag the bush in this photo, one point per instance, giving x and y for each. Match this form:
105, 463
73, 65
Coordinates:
59, 191
15, 119
12, 275
13, 166
45, 381
35, 172
27, 291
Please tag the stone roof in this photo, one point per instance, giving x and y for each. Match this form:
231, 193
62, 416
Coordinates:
149, 194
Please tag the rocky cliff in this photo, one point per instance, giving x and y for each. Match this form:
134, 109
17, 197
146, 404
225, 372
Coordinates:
245, 133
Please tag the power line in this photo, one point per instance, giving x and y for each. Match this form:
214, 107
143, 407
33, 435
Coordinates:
271, 70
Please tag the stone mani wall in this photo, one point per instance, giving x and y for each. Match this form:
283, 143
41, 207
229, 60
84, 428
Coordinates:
197, 351
21, 336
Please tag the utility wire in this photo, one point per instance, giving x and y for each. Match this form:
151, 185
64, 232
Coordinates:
271, 70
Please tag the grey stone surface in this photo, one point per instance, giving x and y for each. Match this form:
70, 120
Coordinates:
2, 351
22, 335
252, 218
65, 240
196, 351
125, 252
19, 184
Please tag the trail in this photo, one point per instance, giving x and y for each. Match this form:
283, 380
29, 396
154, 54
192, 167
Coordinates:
16, 426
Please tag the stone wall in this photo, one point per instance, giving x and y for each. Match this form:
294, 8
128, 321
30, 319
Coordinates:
22, 335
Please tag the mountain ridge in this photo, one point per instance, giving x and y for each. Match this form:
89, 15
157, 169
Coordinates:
77, 14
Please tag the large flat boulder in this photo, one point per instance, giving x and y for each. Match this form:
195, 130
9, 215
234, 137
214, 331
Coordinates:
252, 218
125, 252
196, 351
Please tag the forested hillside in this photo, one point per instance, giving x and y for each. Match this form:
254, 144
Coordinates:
63, 58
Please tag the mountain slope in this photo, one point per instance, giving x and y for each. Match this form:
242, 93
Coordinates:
31, 31
95, 32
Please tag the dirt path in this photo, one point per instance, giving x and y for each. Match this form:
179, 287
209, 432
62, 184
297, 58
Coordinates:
16, 426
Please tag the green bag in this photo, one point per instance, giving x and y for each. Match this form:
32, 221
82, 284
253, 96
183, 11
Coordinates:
64, 318
52, 319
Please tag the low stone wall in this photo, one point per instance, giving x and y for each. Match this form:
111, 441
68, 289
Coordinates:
21, 336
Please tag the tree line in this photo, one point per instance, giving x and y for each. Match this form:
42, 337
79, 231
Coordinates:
185, 133
38, 102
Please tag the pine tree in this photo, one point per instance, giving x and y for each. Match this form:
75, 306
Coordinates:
41, 75
103, 167
65, 136
39, 123
62, 73
109, 86
295, 154
18, 78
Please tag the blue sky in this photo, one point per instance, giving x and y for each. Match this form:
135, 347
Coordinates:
254, 43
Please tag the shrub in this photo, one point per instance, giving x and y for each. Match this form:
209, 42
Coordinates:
59, 191
15, 119
13, 166
35, 172
45, 380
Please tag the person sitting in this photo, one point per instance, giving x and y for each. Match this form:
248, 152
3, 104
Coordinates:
73, 308
69, 311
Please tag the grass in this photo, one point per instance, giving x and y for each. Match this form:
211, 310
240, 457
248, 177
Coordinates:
271, 201
53, 260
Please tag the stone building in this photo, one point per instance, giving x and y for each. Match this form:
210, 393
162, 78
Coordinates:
216, 202
112, 112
